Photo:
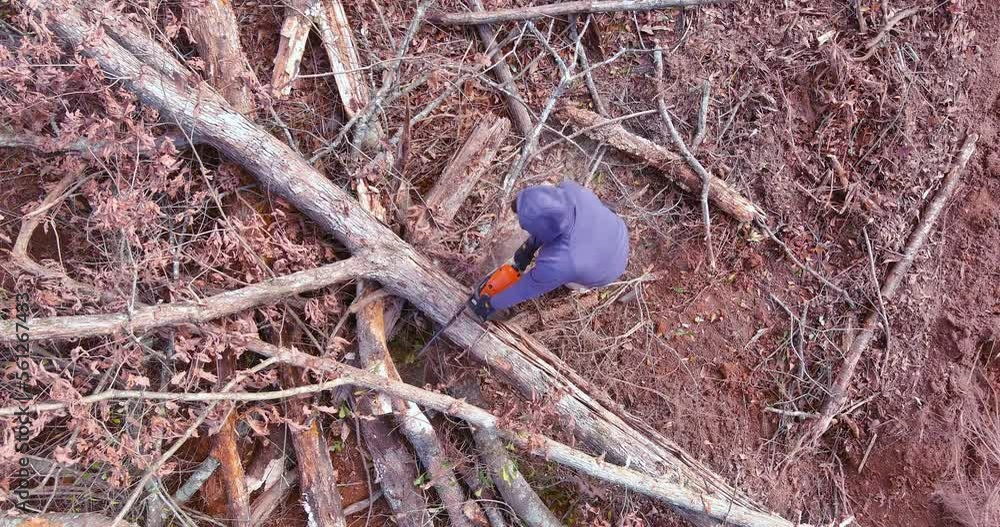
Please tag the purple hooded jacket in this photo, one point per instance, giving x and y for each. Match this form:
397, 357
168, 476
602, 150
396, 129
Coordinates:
581, 241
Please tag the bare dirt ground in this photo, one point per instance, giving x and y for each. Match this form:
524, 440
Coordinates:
833, 148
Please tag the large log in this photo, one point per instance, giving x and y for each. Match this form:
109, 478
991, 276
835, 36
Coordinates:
213, 28
561, 9
599, 424
666, 161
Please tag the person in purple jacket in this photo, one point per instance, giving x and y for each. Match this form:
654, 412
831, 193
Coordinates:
579, 243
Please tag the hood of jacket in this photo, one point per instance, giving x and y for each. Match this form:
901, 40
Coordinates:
546, 212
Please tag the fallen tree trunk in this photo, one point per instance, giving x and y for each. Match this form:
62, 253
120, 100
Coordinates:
669, 163
147, 318
677, 494
602, 426
562, 8
890, 286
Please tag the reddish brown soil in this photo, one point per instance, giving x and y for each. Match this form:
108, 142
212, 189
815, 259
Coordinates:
694, 372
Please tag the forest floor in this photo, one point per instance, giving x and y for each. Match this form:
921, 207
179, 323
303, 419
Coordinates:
834, 149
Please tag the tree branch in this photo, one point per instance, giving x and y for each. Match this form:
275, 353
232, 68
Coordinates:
563, 8
147, 318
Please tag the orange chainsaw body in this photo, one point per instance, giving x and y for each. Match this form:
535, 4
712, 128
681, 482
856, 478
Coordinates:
501, 279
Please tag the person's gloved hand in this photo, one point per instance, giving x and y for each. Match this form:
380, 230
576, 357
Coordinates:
482, 306
524, 255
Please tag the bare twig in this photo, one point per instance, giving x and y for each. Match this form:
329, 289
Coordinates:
19, 254
531, 142
762, 225
585, 66
881, 301
872, 43
692, 161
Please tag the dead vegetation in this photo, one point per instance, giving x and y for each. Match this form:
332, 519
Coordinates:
235, 224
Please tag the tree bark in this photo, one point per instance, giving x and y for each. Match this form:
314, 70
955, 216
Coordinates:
270, 462
600, 425
317, 478
394, 469
465, 169
562, 8
506, 476
60, 520
669, 163
147, 318
212, 25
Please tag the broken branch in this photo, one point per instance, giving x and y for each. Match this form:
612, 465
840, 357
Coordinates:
563, 8
613, 133
515, 104
147, 318
675, 136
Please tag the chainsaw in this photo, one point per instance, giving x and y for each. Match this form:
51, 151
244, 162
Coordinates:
500, 279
